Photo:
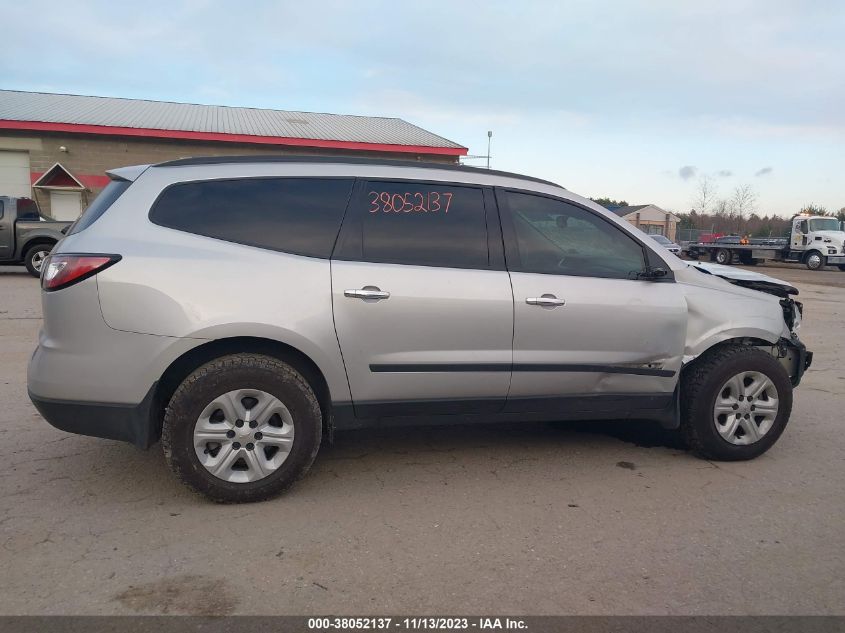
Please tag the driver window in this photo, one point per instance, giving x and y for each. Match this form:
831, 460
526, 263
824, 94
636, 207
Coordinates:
555, 237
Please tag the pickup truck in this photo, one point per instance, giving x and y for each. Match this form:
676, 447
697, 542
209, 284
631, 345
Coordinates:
26, 237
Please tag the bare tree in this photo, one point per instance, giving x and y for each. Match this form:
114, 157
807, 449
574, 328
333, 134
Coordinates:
721, 208
743, 202
705, 194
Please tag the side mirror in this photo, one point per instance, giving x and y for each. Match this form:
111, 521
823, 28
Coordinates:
652, 274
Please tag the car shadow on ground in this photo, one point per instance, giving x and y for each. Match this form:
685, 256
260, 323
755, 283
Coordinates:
15, 271
524, 436
123, 473
645, 434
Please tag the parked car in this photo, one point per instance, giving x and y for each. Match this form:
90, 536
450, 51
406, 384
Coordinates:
243, 309
666, 243
25, 236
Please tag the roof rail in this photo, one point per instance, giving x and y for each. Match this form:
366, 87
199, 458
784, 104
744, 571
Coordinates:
345, 160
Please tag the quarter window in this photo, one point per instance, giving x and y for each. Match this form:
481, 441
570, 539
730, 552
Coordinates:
106, 198
293, 215
437, 224
555, 237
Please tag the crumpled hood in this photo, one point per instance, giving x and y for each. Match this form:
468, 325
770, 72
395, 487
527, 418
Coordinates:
748, 279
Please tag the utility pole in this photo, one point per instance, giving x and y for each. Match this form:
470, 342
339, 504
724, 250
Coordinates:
489, 142
487, 156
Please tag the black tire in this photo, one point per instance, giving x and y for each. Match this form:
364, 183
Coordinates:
808, 259
723, 256
241, 371
700, 386
29, 258
841, 267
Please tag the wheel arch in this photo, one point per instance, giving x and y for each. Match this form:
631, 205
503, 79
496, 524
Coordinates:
806, 257
184, 365
34, 240
736, 341
809, 252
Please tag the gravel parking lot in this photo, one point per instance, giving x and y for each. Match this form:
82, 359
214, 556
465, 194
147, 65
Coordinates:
598, 518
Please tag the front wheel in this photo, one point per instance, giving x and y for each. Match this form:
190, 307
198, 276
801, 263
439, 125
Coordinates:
815, 260
736, 402
35, 256
841, 267
242, 428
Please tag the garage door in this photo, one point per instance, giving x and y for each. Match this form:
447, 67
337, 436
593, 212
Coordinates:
65, 206
14, 174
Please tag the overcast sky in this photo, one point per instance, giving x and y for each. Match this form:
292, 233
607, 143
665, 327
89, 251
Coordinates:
632, 100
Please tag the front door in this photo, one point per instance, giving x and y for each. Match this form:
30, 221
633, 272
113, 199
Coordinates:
584, 326
422, 305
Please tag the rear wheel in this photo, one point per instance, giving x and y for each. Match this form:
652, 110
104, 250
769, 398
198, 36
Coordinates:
815, 260
841, 267
723, 256
242, 428
736, 402
34, 258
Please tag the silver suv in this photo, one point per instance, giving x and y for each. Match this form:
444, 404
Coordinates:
242, 309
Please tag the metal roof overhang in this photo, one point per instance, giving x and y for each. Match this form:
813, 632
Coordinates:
78, 128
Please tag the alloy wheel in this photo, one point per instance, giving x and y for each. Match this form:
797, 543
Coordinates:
243, 435
746, 408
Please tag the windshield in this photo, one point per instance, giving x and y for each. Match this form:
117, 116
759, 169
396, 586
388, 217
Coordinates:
661, 239
824, 224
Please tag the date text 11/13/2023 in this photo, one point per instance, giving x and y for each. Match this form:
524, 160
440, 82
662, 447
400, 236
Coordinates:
408, 202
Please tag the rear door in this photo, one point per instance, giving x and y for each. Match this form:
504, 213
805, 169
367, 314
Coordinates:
422, 302
585, 328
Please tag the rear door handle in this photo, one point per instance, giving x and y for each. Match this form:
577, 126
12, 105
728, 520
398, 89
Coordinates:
367, 292
547, 301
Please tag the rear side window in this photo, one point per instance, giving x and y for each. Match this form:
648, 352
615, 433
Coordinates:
101, 204
436, 224
294, 215
27, 209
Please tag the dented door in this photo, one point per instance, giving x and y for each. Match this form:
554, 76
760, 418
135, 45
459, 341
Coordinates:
585, 323
610, 336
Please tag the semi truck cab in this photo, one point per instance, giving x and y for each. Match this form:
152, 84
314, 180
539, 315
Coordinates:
819, 239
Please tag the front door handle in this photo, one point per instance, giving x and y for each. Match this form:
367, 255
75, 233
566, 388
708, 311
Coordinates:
367, 292
547, 301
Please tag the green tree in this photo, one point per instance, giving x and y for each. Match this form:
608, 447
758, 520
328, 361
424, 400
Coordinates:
609, 203
813, 209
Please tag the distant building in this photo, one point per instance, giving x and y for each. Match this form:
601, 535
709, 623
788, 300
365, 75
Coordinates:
649, 218
56, 148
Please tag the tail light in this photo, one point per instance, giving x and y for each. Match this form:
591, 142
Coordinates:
61, 271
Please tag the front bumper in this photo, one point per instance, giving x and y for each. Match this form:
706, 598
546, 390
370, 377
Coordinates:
795, 357
133, 423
